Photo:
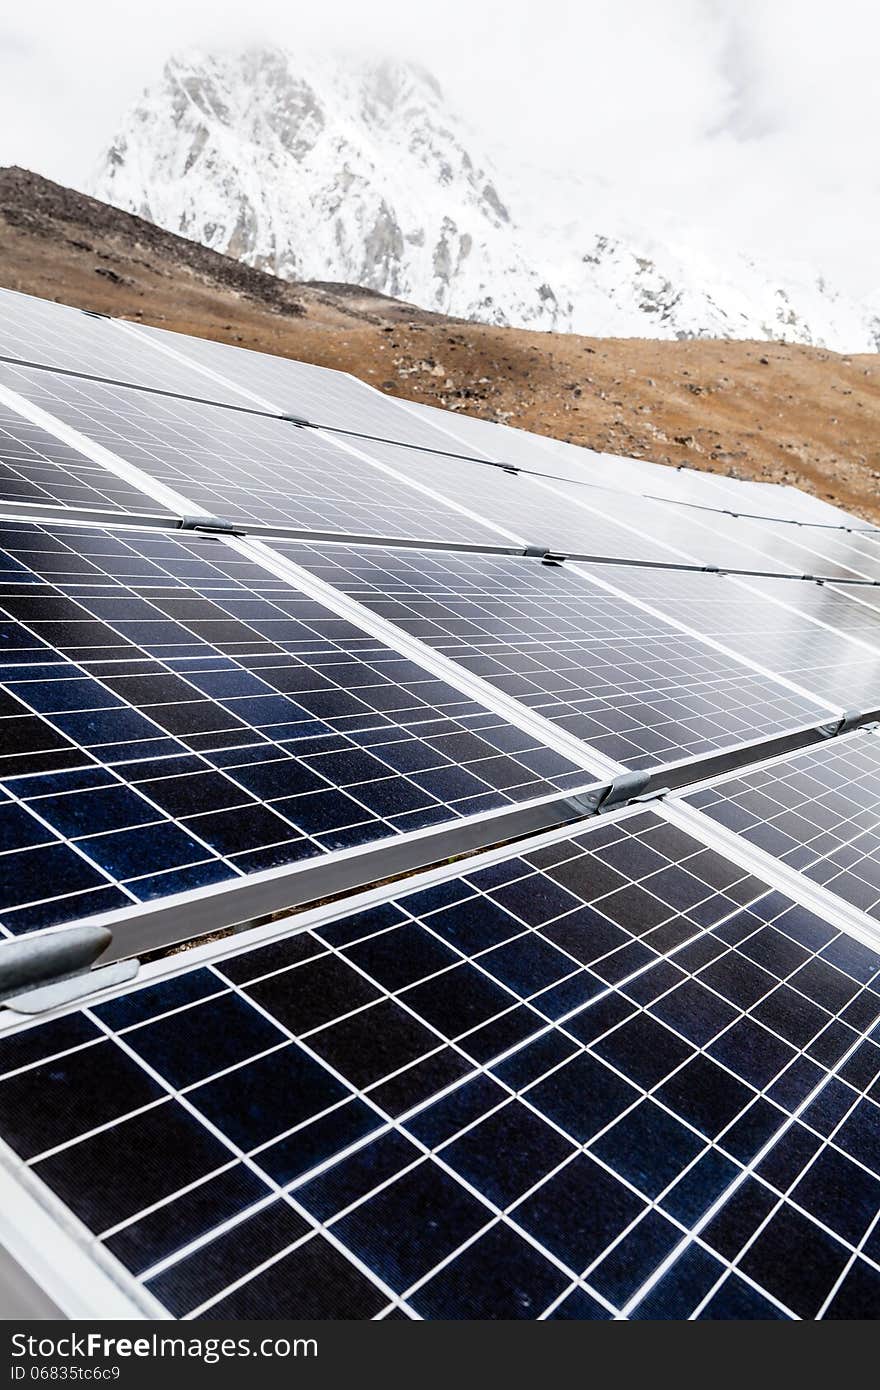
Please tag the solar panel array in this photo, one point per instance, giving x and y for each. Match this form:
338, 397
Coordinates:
260, 626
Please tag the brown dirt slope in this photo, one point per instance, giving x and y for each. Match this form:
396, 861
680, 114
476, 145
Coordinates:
768, 411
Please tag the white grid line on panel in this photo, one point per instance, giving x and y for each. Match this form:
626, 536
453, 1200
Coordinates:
564, 654
37, 470
802, 632
361, 451
602, 582
816, 818
167, 349
425, 656
254, 469
227, 772
823, 900
332, 385
855, 638
97, 453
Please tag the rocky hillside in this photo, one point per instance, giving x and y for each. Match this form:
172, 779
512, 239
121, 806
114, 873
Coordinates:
780, 413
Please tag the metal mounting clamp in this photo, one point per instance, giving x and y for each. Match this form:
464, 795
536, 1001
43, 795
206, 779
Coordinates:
547, 557
210, 525
629, 786
46, 969
295, 420
843, 725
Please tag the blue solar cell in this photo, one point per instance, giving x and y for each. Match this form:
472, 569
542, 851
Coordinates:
589, 1163
619, 678
816, 811
174, 716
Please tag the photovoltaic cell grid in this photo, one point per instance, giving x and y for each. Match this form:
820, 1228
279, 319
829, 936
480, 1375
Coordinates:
851, 609
317, 394
528, 511
579, 464
174, 716
614, 1075
35, 468
55, 335
771, 630
741, 544
618, 678
865, 596
818, 812
247, 468
693, 487
779, 547
862, 549
477, 437
707, 538
834, 551
688, 544
584, 521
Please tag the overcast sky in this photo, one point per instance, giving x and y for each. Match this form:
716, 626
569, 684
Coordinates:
755, 121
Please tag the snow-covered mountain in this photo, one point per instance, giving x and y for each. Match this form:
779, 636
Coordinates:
326, 168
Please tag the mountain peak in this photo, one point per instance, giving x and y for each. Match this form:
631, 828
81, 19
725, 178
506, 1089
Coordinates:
352, 168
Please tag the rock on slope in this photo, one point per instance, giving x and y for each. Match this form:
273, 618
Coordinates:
331, 169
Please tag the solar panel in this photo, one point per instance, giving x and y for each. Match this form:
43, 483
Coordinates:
36, 468
817, 811
582, 465
693, 486
622, 680
521, 448
805, 506
54, 335
611, 1075
251, 469
632, 493
176, 716
837, 548
779, 500
862, 548
525, 508
851, 610
779, 547
321, 396
701, 488
695, 536
774, 622
684, 485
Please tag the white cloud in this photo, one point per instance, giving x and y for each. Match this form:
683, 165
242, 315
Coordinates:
753, 120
